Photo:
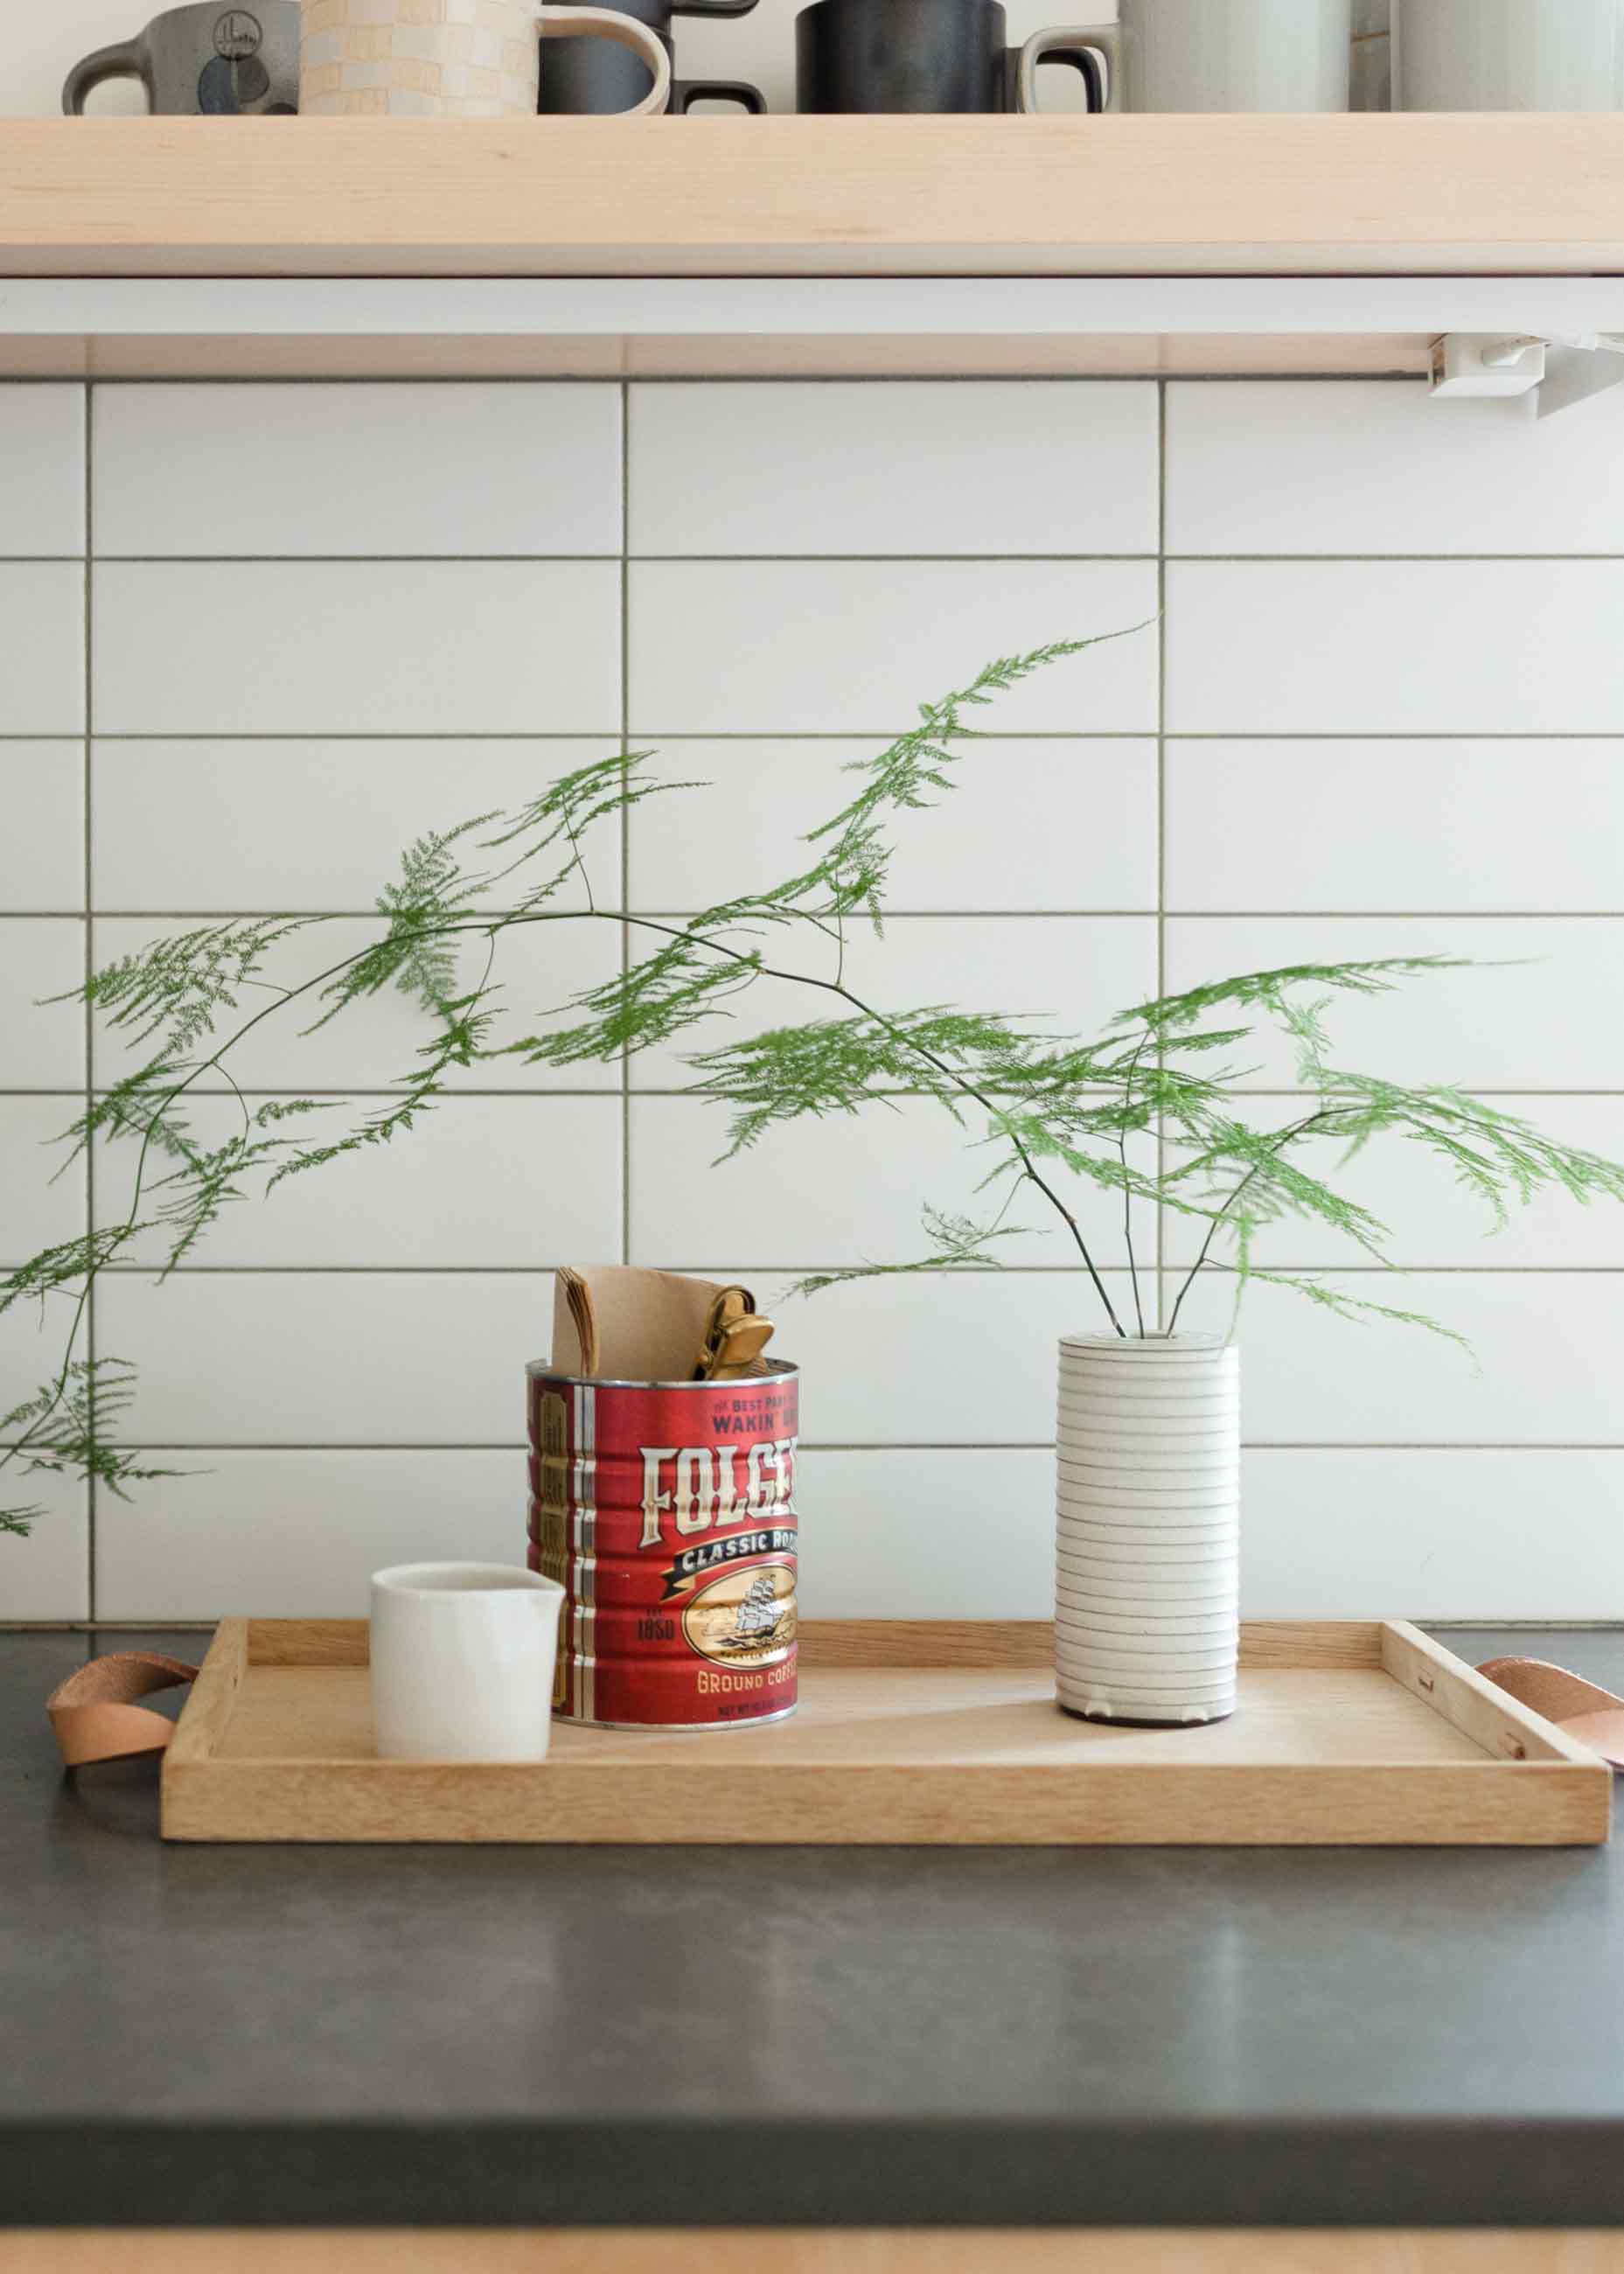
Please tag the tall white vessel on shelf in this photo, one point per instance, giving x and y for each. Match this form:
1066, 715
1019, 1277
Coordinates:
1147, 1539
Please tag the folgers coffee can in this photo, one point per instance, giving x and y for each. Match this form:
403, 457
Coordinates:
666, 1511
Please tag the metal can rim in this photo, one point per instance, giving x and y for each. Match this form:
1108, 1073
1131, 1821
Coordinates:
541, 1369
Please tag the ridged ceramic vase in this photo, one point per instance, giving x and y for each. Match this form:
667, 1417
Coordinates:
1147, 1528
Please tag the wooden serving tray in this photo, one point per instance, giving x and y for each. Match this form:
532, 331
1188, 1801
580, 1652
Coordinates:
911, 1733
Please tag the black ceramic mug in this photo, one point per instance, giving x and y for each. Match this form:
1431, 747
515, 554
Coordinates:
923, 55
593, 78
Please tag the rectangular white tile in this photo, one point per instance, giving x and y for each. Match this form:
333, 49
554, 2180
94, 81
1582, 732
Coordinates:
854, 647
1543, 1369
847, 1190
1069, 975
420, 647
41, 1196
307, 826
1481, 825
1539, 1011
42, 851
299, 1535
448, 467
41, 467
1066, 826
42, 653
376, 1041
938, 1327
328, 1358
1433, 1222
1460, 1535
1369, 466
1395, 647
927, 1534
911, 467
42, 958
480, 1183
45, 1576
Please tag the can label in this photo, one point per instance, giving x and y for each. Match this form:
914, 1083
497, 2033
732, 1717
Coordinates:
666, 1512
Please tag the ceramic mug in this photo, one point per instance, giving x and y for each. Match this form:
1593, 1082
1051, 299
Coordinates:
451, 58
462, 1658
1220, 55
926, 55
596, 78
235, 62
1507, 54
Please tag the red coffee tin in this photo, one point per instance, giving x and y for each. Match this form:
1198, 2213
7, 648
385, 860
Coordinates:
666, 1511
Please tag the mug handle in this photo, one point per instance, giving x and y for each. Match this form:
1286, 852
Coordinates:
124, 59
573, 23
687, 91
1096, 50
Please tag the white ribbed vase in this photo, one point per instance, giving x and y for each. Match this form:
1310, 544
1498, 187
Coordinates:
1147, 1528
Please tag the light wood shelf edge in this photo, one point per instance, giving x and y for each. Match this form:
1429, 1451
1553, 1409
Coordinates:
1512, 194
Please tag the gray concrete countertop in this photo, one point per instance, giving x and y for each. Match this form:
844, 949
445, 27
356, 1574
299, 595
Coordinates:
499, 2036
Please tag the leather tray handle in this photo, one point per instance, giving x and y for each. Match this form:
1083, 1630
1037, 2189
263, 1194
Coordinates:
93, 1714
1591, 1715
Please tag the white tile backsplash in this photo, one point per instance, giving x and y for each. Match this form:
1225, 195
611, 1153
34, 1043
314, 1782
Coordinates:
45, 1575
1371, 466
41, 1192
375, 1043
42, 849
1395, 647
1395, 698
41, 647
1071, 974
478, 1184
41, 467
1543, 1367
1461, 1535
921, 467
1435, 1222
1485, 826
1537, 1006
357, 1357
975, 847
511, 467
187, 827
43, 1040
297, 1535
854, 647
847, 1190
329, 647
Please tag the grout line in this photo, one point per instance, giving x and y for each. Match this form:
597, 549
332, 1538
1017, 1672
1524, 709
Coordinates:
1162, 801
907, 916
516, 1446
145, 1272
1606, 735
92, 1510
626, 855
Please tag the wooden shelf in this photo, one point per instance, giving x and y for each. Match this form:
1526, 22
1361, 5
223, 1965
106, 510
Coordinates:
1510, 195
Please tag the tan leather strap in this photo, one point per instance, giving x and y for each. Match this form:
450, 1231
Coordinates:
93, 1714
1591, 1715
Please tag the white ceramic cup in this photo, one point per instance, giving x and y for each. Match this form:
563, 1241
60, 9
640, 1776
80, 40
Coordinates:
477, 59
1507, 54
462, 1658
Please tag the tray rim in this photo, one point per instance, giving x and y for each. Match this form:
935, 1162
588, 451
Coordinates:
1533, 1786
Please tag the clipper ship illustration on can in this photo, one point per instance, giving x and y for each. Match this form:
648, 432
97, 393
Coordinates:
666, 1511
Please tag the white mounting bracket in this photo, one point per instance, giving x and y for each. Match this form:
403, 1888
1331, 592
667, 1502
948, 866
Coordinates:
1564, 367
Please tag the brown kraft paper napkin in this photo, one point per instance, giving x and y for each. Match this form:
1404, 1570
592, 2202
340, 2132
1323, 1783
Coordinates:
615, 1322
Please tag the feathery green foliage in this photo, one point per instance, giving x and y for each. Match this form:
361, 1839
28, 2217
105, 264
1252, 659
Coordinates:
1155, 1114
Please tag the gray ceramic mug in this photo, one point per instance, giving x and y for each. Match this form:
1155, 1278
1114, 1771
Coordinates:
203, 59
